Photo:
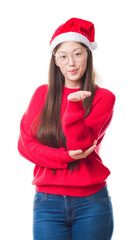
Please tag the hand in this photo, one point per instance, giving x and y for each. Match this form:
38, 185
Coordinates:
78, 96
79, 154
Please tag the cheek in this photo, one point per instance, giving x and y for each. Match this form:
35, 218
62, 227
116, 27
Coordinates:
63, 70
83, 67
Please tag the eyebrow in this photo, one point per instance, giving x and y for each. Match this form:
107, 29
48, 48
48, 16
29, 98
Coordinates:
66, 51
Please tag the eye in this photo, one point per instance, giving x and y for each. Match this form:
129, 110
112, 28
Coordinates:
63, 57
77, 54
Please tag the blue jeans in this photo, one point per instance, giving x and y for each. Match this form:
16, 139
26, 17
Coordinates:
59, 217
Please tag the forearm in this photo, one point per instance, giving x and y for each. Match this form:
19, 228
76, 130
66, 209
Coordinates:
81, 132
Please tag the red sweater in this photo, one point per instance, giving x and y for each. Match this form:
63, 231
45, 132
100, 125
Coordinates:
80, 133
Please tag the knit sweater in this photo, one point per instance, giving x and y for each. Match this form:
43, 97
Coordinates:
80, 133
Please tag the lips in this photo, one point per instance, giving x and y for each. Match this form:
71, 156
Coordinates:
73, 71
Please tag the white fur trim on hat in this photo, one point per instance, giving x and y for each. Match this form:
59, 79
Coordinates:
72, 36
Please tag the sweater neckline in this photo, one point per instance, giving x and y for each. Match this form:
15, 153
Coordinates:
70, 90
67, 90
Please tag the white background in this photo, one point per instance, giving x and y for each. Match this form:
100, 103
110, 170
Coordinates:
26, 28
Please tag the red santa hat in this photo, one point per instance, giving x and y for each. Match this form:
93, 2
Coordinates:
75, 29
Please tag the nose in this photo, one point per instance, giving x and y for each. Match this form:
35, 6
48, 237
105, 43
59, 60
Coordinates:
71, 61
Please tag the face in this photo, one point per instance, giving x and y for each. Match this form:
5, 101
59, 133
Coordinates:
71, 58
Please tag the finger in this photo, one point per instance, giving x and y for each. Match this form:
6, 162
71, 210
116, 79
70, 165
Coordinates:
79, 95
95, 142
86, 153
75, 99
77, 152
90, 150
72, 97
87, 93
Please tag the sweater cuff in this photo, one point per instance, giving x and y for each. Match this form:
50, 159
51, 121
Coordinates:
67, 158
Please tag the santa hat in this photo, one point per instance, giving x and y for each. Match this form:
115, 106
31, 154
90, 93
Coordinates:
75, 29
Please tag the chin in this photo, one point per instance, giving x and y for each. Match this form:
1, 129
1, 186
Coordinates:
75, 79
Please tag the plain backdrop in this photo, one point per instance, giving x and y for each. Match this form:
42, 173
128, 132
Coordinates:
25, 31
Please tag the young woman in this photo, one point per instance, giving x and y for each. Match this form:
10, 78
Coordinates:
61, 133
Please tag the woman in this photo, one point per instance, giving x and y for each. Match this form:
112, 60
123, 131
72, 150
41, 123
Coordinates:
61, 133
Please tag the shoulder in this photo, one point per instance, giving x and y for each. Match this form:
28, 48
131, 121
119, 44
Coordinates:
104, 95
103, 92
36, 102
40, 92
38, 97
41, 89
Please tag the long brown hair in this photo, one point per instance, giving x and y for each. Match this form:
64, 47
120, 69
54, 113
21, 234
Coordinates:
47, 129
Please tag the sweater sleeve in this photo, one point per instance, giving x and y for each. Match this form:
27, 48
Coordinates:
30, 148
81, 132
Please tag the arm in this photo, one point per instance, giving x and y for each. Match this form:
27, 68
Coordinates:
81, 133
30, 148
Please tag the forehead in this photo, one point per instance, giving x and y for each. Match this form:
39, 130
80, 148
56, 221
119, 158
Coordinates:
69, 46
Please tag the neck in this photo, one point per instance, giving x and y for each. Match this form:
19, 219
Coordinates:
72, 84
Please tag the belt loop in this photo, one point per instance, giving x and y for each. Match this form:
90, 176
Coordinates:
45, 195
